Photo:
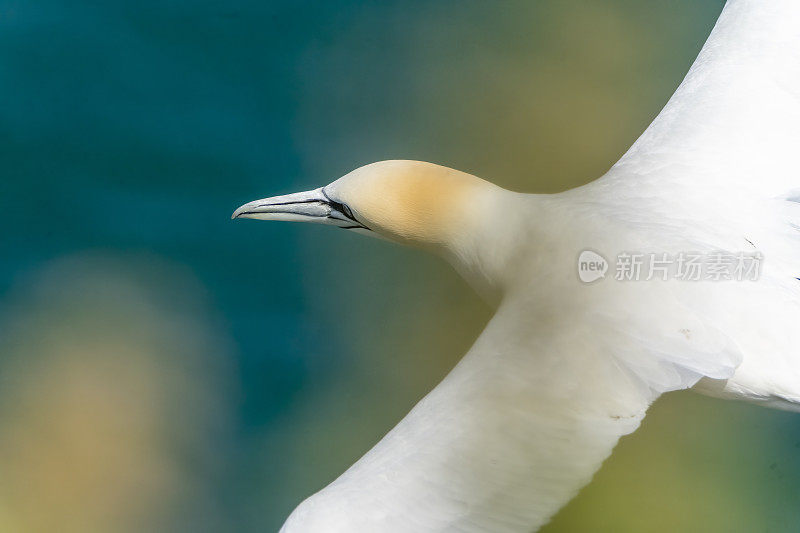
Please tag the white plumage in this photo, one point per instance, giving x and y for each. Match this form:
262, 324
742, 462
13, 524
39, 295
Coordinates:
565, 368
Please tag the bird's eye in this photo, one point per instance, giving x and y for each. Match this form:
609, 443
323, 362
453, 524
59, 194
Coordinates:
341, 208
346, 210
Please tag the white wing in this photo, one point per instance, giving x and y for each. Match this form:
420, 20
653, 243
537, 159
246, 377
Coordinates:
512, 433
734, 122
719, 168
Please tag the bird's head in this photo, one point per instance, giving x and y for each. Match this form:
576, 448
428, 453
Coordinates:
449, 212
405, 201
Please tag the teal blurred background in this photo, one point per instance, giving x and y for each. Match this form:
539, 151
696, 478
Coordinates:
165, 369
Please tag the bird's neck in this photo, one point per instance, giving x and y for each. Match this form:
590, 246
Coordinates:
496, 237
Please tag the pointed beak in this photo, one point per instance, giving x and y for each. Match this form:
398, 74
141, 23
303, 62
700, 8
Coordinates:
308, 206
300, 206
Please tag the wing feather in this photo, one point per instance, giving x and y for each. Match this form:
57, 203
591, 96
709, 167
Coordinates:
719, 169
511, 434
733, 124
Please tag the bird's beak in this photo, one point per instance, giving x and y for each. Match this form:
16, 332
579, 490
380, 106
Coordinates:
307, 206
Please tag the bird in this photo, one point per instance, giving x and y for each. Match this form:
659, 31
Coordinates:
585, 334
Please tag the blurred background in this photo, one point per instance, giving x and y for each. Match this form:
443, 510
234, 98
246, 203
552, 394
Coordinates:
165, 369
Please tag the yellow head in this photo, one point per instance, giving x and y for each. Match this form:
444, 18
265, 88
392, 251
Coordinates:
407, 201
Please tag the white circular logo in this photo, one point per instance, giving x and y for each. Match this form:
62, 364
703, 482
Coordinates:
591, 266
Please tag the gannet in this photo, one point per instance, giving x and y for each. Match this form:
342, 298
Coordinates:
567, 365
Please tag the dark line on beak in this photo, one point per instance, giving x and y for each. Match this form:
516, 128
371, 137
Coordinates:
281, 212
293, 203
